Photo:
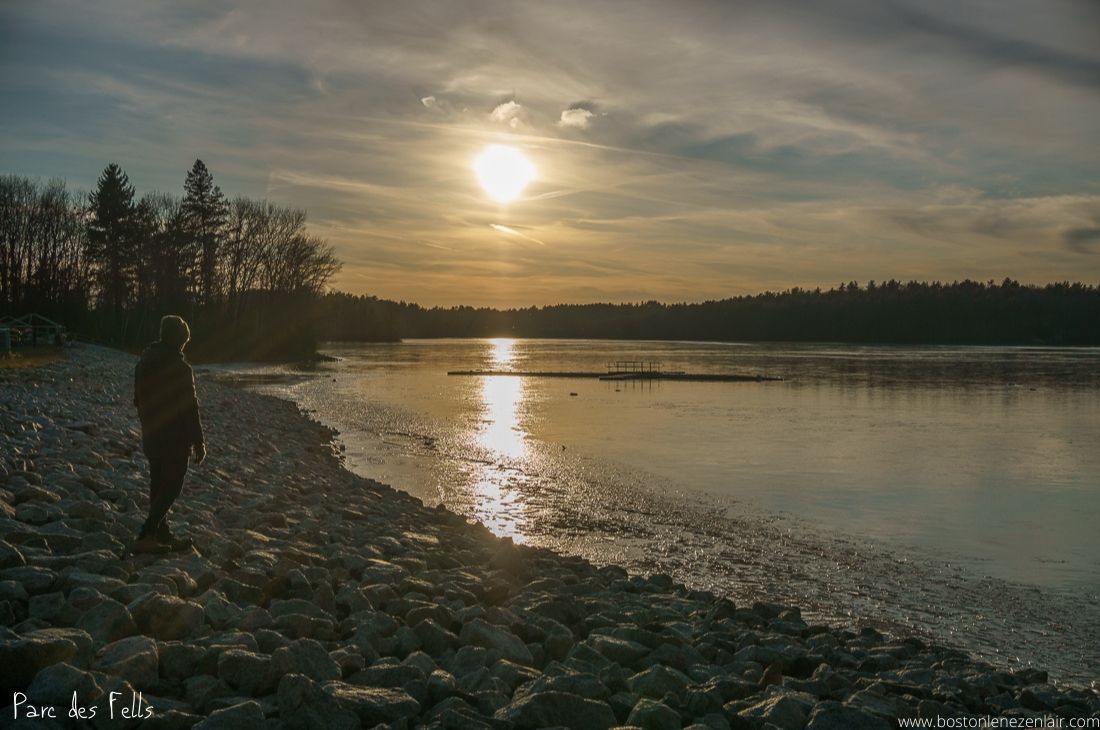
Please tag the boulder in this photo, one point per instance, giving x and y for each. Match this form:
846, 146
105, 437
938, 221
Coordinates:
248, 672
305, 656
10, 556
651, 715
107, 621
830, 715
481, 633
373, 705
243, 716
24, 657
304, 705
56, 684
165, 617
561, 709
134, 659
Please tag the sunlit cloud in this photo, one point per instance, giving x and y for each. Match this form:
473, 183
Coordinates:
576, 118
507, 113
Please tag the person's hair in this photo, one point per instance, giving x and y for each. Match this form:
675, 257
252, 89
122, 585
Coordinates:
174, 331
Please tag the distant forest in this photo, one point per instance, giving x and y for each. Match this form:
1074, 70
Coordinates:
108, 264
252, 281
966, 312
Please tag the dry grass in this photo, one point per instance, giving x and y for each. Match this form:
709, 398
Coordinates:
23, 358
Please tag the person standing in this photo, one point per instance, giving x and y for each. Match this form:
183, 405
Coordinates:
171, 430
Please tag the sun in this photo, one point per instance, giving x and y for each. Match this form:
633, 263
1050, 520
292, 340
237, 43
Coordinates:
503, 172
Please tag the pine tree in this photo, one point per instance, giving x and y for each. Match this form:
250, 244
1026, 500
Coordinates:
204, 215
112, 249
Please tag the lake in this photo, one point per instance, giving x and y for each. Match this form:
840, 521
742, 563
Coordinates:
949, 491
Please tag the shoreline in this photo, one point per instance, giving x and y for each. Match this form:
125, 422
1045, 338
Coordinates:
326, 598
649, 523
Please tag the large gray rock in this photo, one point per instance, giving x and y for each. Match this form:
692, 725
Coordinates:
782, 710
510, 646
304, 705
557, 709
243, 716
56, 684
305, 656
22, 658
134, 659
85, 645
651, 715
246, 671
835, 716
658, 680
374, 705
166, 617
107, 621
10, 556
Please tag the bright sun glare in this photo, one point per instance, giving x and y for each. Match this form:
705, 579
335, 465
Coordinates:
503, 172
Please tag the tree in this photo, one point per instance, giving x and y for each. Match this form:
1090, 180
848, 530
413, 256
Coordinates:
204, 216
112, 247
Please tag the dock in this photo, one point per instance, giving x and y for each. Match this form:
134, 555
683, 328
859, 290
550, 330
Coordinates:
625, 370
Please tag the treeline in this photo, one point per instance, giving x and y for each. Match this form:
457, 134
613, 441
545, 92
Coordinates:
966, 312
108, 264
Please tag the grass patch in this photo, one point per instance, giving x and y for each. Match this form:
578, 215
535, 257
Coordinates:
22, 358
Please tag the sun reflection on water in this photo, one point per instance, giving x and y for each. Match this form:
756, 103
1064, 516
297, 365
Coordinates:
502, 353
501, 436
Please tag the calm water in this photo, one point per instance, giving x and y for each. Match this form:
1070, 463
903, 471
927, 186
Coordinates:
954, 491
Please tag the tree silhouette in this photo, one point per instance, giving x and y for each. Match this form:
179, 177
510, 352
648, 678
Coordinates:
204, 216
112, 250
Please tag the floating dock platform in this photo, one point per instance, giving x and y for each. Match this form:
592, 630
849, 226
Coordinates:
626, 370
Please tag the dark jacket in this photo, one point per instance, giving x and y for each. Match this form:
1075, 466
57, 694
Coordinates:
164, 393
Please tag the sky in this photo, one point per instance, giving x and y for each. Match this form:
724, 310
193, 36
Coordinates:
684, 151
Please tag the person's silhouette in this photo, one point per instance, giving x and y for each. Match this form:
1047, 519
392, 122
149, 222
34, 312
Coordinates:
171, 431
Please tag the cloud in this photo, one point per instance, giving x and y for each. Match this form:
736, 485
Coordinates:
576, 118
747, 146
507, 113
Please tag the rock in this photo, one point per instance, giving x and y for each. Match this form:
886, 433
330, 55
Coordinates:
85, 646
434, 639
304, 705
557, 709
10, 556
305, 656
247, 672
781, 710
243, 716
107, 621
34, 580
47, 606
134, 659
510, 646
56, 684
620, 651
22, 658
170, 720
658, 680
651, 715
178, 660
373, 705
165, 617
289, 606
830, 715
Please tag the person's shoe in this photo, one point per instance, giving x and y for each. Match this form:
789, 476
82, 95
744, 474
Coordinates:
149, 545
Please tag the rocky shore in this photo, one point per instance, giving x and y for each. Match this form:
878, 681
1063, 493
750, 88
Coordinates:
321, 599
